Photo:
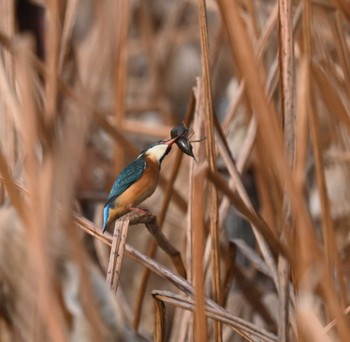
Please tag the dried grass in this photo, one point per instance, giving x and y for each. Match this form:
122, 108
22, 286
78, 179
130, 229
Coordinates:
272, 100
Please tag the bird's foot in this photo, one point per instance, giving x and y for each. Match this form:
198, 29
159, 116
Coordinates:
138, 210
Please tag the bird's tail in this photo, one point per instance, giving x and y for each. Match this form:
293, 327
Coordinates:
105, 217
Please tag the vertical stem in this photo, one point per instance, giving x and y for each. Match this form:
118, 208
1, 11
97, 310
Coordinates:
122, 13
117, 253
287, 77
200, 321
51, 56
268, 126
159, 320
289, 123
7, 129
209, 127
328, 285
165, 205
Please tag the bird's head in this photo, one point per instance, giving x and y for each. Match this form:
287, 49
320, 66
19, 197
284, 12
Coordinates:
159, 150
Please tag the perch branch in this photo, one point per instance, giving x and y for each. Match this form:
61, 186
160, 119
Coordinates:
117, 253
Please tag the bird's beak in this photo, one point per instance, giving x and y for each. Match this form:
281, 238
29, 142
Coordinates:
170, 141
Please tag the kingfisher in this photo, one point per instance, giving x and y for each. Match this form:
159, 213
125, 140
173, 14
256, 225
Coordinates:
136, 182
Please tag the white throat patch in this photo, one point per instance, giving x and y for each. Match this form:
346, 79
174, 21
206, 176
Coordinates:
157, 152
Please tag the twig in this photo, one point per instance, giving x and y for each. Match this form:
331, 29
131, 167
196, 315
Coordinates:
153, 227
150, 221
243, 328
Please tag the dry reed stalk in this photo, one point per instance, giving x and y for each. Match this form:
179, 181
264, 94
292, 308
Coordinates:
245, 329
344, 7
68, 159
242, 159
7, 26
159, 320
341, 47
327, 224
163, 45
42, 180
287, 83
302, 125
265, 114
252, 256
237, 184
252, 294
48, 304
198, 207
70, 16
251, 216
210, 145
186, 320
330, 96
169, 192
154, 266
309, 324
117, 253
261, 47
11, 188
271, 85
327, 284
52, 45
153, 227
121, 10
47, 107
7, 125
176, 280
287, 87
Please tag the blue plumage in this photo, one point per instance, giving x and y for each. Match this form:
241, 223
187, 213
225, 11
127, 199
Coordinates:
105, 216
136, 182
126, 178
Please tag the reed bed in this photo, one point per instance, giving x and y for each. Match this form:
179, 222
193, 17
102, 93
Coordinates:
249, 242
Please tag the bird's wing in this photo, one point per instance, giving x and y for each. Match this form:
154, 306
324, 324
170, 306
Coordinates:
126, 178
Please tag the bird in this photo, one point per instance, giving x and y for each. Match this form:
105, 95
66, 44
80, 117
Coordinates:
136, 182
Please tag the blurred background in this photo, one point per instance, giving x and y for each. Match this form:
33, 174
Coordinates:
261, 219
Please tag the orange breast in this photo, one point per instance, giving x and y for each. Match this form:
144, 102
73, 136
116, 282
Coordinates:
141, 189
137, 192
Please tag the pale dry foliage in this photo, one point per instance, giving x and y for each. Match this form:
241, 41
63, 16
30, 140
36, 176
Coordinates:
267, 83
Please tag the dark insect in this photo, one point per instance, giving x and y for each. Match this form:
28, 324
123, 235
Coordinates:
183, 142
185, 146
181, 130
